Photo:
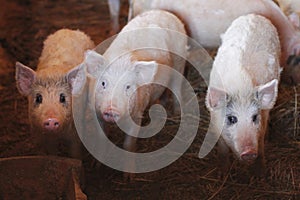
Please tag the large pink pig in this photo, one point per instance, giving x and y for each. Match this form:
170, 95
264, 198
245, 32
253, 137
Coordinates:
207, 20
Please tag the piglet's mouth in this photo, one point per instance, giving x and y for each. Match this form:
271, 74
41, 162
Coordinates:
111, 115
248, 156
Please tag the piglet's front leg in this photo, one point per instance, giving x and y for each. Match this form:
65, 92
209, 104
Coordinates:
259, 166
223, 161
130, 146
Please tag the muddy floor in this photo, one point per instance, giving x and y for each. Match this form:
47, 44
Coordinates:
24, 24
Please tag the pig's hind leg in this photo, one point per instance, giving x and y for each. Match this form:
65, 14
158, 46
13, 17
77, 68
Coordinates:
114, 9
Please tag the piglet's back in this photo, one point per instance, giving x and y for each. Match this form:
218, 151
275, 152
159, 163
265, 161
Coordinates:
250, 53
156, 29
62, 51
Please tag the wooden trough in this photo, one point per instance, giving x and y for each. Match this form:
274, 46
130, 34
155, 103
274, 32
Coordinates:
40, 177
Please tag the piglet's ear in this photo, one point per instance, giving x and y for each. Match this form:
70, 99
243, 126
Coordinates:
267, 94
215, 98
76, 78
24, 78
146, 71
94, 62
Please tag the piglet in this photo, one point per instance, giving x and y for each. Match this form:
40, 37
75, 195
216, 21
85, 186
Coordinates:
243, 88
48, 89
137, 58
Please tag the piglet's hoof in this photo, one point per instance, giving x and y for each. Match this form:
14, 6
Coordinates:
291, 73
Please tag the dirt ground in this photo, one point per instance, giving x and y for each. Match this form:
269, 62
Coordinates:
24, 25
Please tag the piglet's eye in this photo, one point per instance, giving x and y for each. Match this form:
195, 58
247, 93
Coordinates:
127, 87
38, 98
62, 98
254, 118
231, 120
103, 83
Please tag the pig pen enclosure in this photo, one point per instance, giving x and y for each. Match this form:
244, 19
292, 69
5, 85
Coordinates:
24, 25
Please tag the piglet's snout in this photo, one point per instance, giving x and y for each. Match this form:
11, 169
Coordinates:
51, 124
111, 115
249, 155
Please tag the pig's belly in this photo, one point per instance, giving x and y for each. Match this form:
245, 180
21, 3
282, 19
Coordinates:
206, 20
206, 34
207, 28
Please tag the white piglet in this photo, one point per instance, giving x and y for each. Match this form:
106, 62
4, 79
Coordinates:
137, 58
243, 88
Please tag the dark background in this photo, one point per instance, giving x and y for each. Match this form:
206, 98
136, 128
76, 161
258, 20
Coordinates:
25, 24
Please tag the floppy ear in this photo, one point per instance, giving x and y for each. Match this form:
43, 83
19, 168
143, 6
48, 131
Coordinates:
215, 98
146, 71
24, 78
94, 62
267, 94
77, 78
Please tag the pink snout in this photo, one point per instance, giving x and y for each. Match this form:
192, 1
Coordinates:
111, 115
51, 124
249, 155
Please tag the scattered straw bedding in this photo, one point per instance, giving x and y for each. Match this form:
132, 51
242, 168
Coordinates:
25, 24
